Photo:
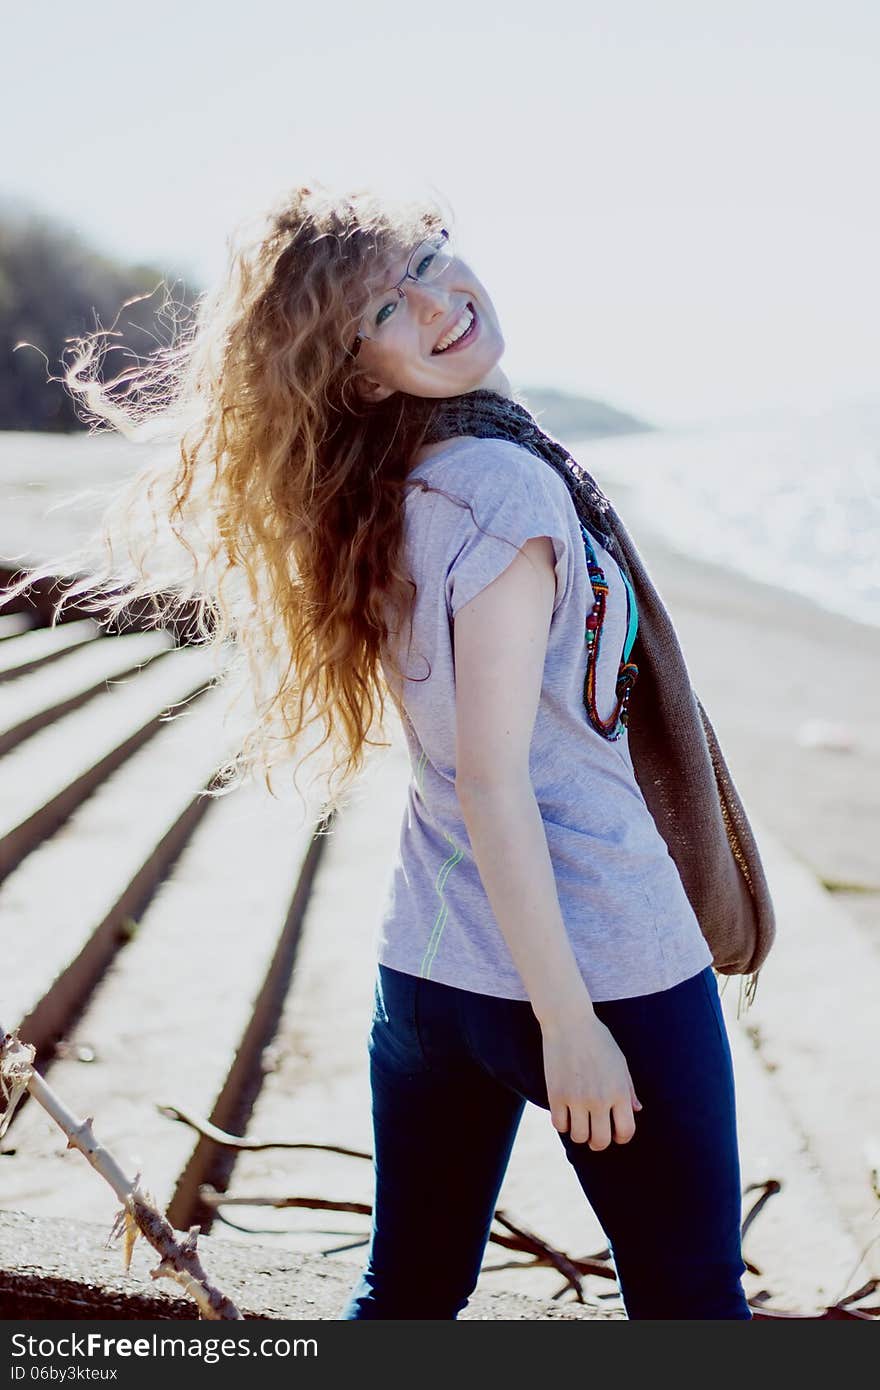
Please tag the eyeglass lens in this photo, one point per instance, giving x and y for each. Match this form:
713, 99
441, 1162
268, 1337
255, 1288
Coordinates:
429, 259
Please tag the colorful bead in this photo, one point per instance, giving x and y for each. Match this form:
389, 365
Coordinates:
627, 675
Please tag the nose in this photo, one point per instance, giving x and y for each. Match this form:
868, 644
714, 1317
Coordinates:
430, 300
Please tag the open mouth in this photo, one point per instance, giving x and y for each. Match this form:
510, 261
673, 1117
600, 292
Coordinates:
465, 338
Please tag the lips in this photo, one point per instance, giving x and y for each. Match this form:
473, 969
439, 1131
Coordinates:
465, 337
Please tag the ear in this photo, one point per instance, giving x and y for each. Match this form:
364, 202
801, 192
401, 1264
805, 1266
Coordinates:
372, 390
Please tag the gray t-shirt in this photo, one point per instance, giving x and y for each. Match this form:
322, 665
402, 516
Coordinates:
631, 926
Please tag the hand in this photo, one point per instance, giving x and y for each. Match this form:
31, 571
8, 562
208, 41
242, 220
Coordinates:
588, 1079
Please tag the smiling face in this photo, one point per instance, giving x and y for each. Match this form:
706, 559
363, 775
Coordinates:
403, 354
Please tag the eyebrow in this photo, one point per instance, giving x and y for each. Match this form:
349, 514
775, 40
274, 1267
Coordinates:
389, 279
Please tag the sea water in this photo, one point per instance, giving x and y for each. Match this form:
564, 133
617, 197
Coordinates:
794, 502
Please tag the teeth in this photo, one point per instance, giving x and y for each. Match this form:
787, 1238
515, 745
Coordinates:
456, 331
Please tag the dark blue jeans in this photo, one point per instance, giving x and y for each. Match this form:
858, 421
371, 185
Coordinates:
451, 1071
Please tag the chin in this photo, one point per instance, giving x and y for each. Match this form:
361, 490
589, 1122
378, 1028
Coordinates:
492, 367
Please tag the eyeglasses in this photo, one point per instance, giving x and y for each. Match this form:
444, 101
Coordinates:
427, 262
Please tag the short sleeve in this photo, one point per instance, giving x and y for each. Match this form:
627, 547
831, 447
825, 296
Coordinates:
513, 495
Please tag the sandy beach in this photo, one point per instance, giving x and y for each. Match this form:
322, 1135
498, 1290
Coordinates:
784, 683
771, 668
790, 693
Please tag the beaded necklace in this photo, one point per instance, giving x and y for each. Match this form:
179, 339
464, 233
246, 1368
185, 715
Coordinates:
488, 415
628, 672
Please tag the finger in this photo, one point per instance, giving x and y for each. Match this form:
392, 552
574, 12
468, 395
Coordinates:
600, 1127
559, 1116
636, 1103
580, 1126
624, 1123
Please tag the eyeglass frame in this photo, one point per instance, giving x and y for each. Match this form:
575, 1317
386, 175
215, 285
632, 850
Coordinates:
407, 275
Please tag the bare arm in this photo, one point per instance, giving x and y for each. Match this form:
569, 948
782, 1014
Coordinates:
506, 832
500, 645
500, 642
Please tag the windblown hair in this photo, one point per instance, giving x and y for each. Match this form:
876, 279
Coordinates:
277, 511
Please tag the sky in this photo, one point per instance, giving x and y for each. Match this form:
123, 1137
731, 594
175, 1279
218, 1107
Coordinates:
674, 204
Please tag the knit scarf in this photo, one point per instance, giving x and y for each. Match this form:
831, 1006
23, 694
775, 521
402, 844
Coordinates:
675, 753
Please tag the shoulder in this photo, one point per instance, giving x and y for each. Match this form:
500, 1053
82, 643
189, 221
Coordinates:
485, 470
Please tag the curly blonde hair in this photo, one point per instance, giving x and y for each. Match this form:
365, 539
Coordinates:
278, 511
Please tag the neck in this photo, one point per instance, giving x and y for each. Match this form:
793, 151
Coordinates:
489, 411
496, 380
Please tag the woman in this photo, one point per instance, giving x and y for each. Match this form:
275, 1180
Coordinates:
614, 1026
366, 508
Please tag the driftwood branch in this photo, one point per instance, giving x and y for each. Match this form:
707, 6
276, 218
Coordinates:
236, 1141
212, 1198
139, 1213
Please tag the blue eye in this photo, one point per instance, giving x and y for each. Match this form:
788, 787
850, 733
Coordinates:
391, 306
424, 263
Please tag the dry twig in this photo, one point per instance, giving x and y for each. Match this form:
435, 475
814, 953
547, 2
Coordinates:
139, 1213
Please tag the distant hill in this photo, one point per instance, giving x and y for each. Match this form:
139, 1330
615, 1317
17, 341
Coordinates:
568, 417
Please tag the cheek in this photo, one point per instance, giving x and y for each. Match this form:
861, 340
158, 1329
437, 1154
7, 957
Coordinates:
489, 313
403, 360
